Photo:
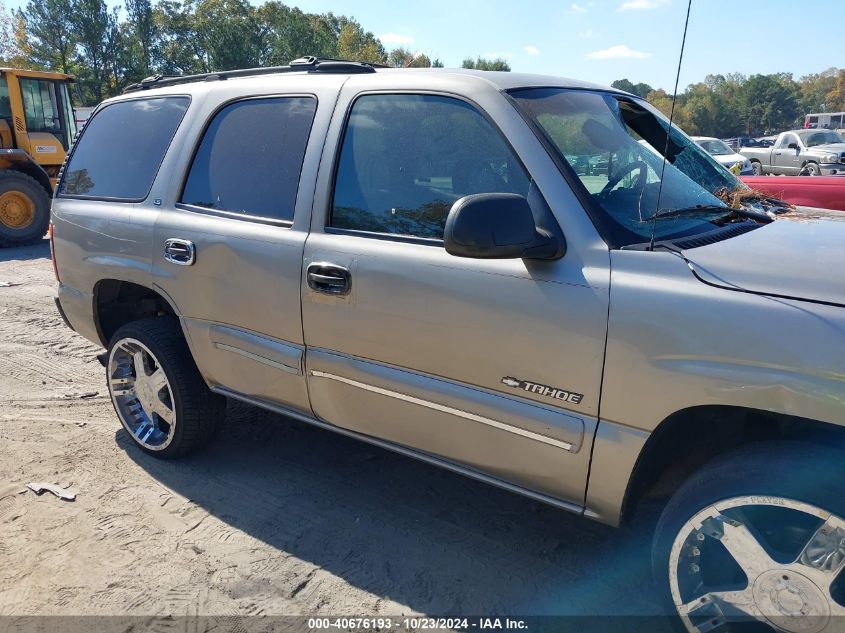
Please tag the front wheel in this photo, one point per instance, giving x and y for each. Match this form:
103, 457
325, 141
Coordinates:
756, 542
157, 391
24, 209
811, 169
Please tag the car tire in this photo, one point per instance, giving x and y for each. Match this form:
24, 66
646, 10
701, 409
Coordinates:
157, 391
24, 209
811, 169
757, 168
748, 540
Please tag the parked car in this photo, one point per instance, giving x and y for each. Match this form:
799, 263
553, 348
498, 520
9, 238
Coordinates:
745, 141
408, 257
800, 153
724, 155
824, 192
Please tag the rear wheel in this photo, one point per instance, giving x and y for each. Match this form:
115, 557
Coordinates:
157, 390
757, 168
756, 542
24, 209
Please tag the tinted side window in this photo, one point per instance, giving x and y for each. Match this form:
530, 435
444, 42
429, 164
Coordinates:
251, 156
407, 158
121, 149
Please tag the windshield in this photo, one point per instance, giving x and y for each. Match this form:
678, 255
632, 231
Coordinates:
716, 148
812, 138
615, 145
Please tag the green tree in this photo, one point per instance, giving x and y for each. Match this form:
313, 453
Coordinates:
403, 58
356, 44
176, 50
836, 97
7, 36
479, 63
769, 103
99, 49
640, 89
230, 34
663, 102
140, 32
50, 34
293, 33
814, 90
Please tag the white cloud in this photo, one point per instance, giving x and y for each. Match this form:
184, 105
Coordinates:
395, 38
495, 55
620, 51
532, 50
585, 35
641, 5
577, 8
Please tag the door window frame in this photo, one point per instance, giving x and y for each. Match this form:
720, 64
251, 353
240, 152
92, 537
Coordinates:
407, 239
167, 150
235, 215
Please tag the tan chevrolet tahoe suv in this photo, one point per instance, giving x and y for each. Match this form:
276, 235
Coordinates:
416, 258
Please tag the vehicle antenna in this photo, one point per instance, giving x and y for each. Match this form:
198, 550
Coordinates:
669, 131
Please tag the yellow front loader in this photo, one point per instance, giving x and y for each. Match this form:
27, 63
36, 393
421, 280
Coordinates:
36, 129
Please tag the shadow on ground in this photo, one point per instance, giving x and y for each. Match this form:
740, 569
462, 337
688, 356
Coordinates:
424, 537
34, 251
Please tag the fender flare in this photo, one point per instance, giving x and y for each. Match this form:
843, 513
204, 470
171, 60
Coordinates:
19, 160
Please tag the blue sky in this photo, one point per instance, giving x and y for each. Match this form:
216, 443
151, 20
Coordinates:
593, 40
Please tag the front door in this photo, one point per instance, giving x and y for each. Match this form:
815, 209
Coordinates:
786, 160
492, 364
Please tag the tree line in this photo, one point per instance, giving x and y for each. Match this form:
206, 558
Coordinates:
108, 49
732, 105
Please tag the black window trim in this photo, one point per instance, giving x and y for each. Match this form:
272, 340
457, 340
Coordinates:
407, 239
96, 111
235, 215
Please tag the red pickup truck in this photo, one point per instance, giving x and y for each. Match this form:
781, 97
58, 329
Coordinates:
824, 192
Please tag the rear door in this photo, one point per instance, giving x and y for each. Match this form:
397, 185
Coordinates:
229, 242
493, 364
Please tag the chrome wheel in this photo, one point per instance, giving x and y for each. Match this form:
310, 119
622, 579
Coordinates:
760, 559
141, 394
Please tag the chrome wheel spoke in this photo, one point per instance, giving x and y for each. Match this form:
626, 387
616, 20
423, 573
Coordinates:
139, 362
837, 612
741, 544
722, 602
122, 387
824, 554
158, 380
164, 412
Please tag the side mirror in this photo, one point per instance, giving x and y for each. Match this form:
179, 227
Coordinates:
794, 146
497, 226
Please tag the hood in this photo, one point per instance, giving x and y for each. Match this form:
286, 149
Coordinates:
799, 255
830, 148
730, 159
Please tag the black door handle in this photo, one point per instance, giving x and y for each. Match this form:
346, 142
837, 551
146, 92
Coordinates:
328, 278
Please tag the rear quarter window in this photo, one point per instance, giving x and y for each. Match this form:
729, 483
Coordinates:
118, 155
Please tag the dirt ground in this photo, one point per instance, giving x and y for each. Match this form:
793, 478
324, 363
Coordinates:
275, 518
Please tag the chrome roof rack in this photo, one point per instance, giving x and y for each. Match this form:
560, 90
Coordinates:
309, 64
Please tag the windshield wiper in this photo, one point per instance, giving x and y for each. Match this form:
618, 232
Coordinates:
709, 209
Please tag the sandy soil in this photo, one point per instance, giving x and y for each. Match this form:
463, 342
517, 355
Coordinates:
274, 518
